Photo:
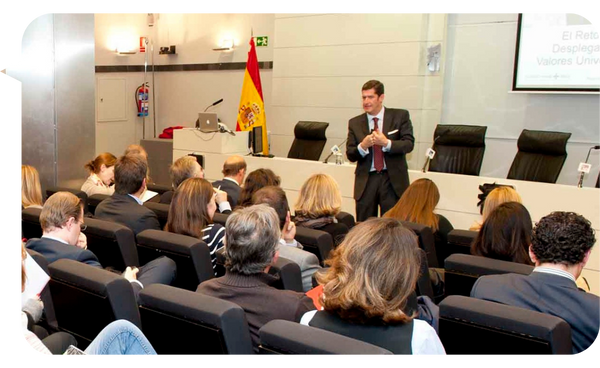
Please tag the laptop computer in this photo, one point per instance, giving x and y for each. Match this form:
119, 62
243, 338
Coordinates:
207, 122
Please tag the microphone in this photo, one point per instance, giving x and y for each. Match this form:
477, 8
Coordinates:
430, 152
584, 167
224, 129
335, 149
213, 104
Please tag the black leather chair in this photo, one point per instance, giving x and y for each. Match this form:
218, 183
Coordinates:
424, 281
540, 157
94, 200
191, 255
309, 140
48, 320
220, 218
112, 243
179, 321
426, 241
86, 299
473, 326
462, 270
161, 210
160, 189
30, 223
285, 337
459, 149
318, 242
459, 241
347, 219
79, 193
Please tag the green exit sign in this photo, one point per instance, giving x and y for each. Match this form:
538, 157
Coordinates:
262, 41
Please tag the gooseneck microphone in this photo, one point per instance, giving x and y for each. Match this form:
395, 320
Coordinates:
213, 104
582, 165
335, 149
430, 152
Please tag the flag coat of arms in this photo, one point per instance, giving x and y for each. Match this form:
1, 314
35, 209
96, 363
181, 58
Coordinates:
251, 113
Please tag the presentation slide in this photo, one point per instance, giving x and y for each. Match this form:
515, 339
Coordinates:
557, 52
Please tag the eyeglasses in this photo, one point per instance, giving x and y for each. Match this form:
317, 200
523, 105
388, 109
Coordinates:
82, 227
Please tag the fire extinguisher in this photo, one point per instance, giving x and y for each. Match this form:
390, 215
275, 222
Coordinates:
141, 99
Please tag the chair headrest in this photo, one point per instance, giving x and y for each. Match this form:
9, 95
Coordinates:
107, 229
548, 143
310, 130
477, 265
84, 276
460, 135
169, 241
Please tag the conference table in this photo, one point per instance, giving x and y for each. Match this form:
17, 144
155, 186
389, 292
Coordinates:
458, 193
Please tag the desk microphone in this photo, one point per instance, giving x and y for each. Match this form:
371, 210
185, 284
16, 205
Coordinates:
213, 104
224, 129
335, 149
584, 167
430, 152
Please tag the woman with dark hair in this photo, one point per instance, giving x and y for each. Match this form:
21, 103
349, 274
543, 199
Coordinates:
505, 234
191, 213
366, 289
102, 175
254, 181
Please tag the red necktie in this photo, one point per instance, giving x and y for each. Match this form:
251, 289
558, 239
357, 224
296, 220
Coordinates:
377, 150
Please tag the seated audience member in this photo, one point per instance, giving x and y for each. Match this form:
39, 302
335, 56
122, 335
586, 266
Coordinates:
366, 289
252, 235
561, 244
257, 179
136, 149
31, 190
183, 168
505, 234
119, 337
234, 171
125, 205
495, 198
289, 248
191, 213
102, 175
318, 203
62, 219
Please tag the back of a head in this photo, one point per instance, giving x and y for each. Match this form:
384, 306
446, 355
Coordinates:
254, 181
417, 204
136, 149
188, 211
275, 198
58, 208
319, 197
31, 189
505, 234
130, 172
498, 196
562, 238
252, 238
107, 159
183, 168
372, 273
233, 165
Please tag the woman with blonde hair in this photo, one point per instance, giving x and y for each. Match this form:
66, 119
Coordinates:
318, 203
365, 291
102, 175
31, 190
495, 198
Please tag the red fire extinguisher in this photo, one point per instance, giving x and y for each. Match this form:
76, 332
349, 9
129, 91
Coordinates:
141, 99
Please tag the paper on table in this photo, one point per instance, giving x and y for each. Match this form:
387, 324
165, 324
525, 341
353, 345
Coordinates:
147, 195
36, 280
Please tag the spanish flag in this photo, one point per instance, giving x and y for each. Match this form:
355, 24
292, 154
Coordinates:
252, 110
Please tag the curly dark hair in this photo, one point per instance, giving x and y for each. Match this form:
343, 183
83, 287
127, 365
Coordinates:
562, 237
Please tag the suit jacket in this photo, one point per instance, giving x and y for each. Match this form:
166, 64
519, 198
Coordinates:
397, 120
125, 210
308, 262
53, 250
546, 293
233, 190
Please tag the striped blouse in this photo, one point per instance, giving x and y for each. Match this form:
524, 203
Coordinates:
213, 236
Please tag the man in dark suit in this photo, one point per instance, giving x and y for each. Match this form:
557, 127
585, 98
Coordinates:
125, 205
561, 245
234, 171
378, 141
62, 220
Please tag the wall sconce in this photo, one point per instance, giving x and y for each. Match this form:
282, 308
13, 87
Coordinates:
226, 45
123, 52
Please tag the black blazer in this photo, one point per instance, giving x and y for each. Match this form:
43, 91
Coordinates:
53, 250
125, 210
233, 190
395, 160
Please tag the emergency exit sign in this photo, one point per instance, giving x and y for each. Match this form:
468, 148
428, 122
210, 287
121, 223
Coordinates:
262, 41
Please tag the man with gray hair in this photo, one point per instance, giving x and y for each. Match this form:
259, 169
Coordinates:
251, 239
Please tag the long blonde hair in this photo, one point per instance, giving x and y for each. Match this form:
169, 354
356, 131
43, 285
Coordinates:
31, 190
319, 197
372, 274
498, 196
417, 204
